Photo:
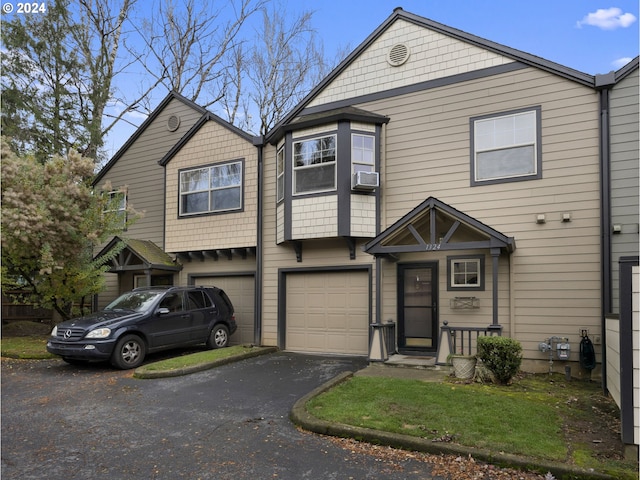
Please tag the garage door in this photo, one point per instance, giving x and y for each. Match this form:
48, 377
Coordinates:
240, 290
328, 312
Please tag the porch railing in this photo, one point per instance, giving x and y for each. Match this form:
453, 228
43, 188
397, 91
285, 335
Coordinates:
464, 340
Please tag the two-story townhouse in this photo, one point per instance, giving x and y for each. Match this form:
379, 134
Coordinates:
485, 212
434, 178
194, 178
134, 175
211, 214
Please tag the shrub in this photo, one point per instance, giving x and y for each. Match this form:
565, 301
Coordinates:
501, 355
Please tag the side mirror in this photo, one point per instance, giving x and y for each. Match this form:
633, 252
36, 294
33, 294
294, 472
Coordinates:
163, 311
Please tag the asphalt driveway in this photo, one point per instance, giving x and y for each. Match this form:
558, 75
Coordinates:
67, 422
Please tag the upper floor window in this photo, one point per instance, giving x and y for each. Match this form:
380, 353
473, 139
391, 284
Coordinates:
280, 174
362, 153
506, 147
314, 165
117, 205
217, 188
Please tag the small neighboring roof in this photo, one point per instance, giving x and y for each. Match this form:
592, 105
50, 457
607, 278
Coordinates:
314, 119
435, 226
138, 255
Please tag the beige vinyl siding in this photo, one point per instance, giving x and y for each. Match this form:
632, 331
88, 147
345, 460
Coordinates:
329, 252
428, 154
273, 255
625, 164
477, 317
138, 170
213, 144
110, 291
432, 55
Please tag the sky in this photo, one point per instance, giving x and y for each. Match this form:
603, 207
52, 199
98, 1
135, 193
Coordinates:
587, 35
592, 36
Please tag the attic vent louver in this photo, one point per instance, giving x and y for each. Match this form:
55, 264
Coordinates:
398, 55
173, 123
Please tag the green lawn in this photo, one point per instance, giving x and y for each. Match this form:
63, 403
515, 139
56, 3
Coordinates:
539, 416
33, 347
533, 417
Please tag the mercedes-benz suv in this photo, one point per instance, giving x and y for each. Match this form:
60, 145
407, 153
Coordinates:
146, 320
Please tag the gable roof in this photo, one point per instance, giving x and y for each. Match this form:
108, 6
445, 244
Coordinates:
138, 255
197, 126
627, 69
435, 226
140, 130
400, 14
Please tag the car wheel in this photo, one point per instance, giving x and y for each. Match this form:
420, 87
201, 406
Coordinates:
219, 337
129, 352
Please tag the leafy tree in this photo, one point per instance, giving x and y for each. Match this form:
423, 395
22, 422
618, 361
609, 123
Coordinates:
51, 221
57, 74
39, 68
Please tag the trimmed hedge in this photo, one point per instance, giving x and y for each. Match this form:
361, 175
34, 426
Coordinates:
501, 355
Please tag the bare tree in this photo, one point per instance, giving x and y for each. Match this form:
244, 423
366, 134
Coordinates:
97, 35
285, 62
186, 45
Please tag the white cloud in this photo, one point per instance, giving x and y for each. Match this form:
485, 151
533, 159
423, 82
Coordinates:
608, 19
621, 62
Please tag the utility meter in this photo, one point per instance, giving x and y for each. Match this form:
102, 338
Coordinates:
563, 350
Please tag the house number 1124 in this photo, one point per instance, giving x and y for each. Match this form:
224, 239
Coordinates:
432, 246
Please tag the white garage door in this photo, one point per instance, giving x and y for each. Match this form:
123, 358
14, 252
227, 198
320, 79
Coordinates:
240, 290
328, 312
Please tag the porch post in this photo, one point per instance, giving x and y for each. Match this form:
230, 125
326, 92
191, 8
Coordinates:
495, 255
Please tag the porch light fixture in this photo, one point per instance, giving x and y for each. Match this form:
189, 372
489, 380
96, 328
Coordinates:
617, 228
566, 217
541, 218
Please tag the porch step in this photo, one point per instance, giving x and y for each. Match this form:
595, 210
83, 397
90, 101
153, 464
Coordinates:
407, 367
400, 360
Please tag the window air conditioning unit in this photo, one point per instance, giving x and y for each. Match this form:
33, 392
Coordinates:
365, 181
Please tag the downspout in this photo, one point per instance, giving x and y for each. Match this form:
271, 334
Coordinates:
257, 320
379, 219
604, 83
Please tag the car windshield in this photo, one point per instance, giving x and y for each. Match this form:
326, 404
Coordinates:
136, 301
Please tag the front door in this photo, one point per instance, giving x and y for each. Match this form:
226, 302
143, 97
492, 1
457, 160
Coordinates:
417, 307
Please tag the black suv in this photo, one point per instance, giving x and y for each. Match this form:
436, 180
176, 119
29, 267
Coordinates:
146, 320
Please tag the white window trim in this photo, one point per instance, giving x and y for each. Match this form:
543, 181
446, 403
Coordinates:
280, 185
211, 189
122, 208
537, 165
371, 164
478, 259
307, 167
